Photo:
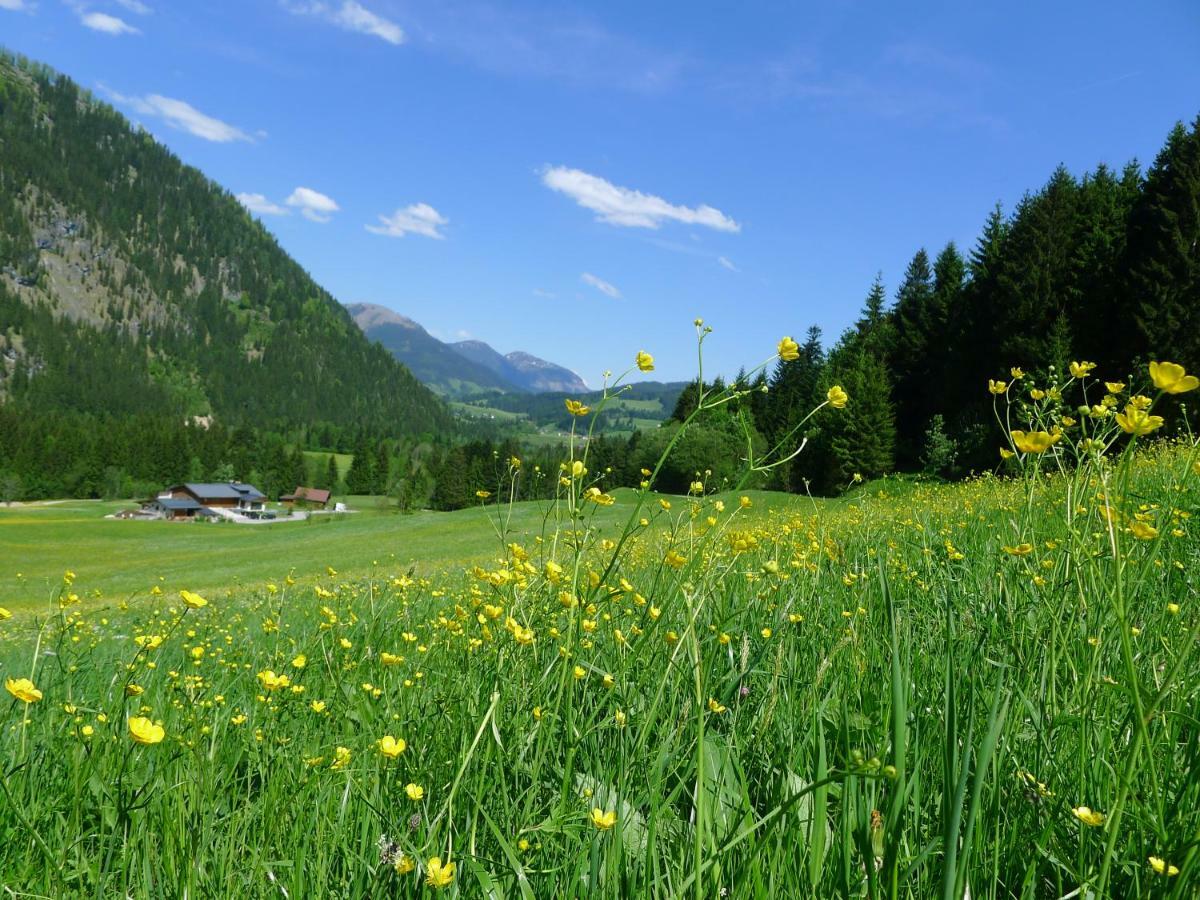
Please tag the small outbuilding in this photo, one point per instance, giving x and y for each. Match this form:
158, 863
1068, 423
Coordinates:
306, 498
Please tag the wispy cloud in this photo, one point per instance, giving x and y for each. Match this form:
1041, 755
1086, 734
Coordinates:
260, 205
605, 287
313, 205
728, 263
351, 16
13, 5
182, 115
106, 24
544, 294
417, 218
622, 206
135, 6
550, 41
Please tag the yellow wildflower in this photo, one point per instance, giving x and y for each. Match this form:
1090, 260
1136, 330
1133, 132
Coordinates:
23, 689
1138, 421
437, 874
391, 747
144, 731
192, 601
1034, 441
1088, 816
1162, 867
1172, 378
788, 349
837, 397
603, 820
645, 361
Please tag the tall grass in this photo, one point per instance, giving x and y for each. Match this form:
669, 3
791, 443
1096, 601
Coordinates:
908, 695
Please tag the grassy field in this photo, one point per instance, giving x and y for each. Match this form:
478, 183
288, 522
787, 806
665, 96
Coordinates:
318, 460
117, 560
988, 689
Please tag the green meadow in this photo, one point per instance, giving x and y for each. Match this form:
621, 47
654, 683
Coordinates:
117, 559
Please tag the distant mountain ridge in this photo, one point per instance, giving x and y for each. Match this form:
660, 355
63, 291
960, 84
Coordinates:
463, 368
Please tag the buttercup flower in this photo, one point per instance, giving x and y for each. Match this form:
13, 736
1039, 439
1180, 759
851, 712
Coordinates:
1171, 377
1138, 421
1034, 441
192, 601
1162, 867
144, 731
788, 349
576, 408
837, 397
603, 820
438, 874
22, 689
1088, 816
645, 361
414, 791
391, 747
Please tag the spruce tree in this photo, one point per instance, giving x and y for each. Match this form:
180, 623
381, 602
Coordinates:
1162, 258
862, 436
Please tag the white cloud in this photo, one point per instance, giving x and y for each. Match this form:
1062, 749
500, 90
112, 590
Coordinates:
544, 294
417, 218
135, 6
601, 285
623, 206
12, 5
313, 205
728, 263
259, 204
103, 22
182, 115
351, 16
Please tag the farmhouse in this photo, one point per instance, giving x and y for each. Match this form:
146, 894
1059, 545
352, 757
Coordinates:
193, 499
306, 497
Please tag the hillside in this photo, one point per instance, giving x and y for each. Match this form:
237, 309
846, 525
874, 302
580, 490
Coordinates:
131, 283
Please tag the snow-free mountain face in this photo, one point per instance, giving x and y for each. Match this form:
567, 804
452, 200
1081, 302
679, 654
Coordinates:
464, 368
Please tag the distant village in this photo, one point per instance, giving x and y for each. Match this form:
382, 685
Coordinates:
229, 501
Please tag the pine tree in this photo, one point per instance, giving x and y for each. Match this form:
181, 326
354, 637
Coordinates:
916, 329
361, 477
862, 436
1162, 260
331, 473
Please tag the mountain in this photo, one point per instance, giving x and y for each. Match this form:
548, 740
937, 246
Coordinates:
435, 363
523, 370
465, 369
131, 284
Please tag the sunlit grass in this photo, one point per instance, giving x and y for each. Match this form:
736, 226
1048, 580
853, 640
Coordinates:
987, 688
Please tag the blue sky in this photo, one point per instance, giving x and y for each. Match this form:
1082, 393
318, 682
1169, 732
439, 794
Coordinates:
582, 180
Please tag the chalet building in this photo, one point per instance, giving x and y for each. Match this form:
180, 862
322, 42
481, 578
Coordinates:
200, 499
223, 494
306, 497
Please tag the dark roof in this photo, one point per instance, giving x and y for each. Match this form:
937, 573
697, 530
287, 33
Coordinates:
175, 503
311, 495
220, 490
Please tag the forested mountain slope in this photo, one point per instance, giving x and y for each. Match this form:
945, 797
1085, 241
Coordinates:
131, 283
